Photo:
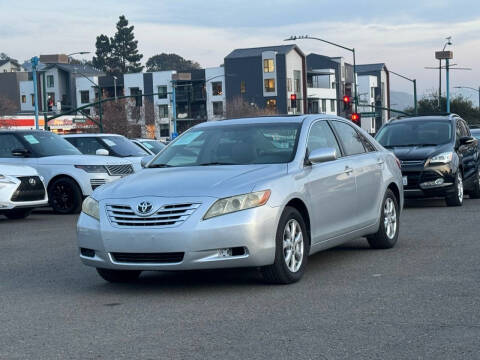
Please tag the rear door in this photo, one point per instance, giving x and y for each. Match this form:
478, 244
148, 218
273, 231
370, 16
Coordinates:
368, 165
330, 187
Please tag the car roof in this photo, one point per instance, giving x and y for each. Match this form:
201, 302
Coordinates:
22, 131
424, 118
266, 120
90, 135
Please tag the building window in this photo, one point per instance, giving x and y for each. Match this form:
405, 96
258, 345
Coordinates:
217, 88
289, 84
268, 66
24, 99
372, 92
33, 99
217, 108
332, 105
84, 97
164, 130
163, 111
297, 85
333, 85
50, 81
138, 95
272, 104
269, 85
50, 101
242, 87
324, 106
162, 92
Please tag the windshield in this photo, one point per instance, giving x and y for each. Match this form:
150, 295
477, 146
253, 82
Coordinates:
232, 145
153, 146
43, 144
415, 133
121, 146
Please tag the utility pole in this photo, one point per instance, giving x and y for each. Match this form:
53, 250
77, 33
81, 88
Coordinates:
447, 65
174, 110
34, 62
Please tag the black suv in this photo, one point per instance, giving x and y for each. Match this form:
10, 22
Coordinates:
438, 154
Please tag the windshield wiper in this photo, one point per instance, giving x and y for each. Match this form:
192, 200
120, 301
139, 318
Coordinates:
216, 163
159, 166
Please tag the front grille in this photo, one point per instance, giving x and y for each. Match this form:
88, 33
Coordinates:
167, 215
120, 170
165, 258
408, 163
30, 189
97, 182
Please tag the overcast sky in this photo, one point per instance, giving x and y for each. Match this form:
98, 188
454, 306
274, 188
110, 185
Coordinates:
403, 34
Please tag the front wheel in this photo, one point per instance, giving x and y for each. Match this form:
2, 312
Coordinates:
291, 251
118, 276
65, 196
387, 234
456, 199
16, 214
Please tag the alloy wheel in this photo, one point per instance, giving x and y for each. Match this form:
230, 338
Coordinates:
293, 245
390, 218
63, 196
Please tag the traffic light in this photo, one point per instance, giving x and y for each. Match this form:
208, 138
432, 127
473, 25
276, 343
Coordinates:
293, 101
356, 118
346, 102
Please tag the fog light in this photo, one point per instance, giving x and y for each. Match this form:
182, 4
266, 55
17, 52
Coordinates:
437, 182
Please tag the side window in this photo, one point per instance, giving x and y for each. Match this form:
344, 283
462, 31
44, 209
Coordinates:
349, 137
9, 142
87, 146
465, 129
321, 136
368, 145
459, 130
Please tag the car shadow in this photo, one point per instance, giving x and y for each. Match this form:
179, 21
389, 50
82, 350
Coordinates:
424, 203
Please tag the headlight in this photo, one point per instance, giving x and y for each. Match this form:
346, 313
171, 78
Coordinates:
90, 207
92, 168
6, 179
237, 203
443, 158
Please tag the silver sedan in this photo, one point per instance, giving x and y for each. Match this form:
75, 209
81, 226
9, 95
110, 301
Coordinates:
259, 192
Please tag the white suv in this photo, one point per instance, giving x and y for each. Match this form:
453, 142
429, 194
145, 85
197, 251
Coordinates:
21, 190
69, 175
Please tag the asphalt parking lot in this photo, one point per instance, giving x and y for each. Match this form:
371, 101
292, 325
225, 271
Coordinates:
420, 300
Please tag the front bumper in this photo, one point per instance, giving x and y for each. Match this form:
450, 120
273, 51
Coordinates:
199, 240
7, 191
421, 181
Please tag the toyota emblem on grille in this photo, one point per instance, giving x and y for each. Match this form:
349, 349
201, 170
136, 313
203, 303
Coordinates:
32, 182
144, 207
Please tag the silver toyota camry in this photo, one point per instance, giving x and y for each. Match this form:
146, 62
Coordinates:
258, 192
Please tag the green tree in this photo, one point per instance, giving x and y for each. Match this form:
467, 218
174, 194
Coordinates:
428, 105
125, 56
118, 54
164, 62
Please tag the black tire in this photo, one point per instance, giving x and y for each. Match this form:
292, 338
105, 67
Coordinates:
119, 276
456, 199
383, 238
16, 214
279, 272
65, 196
475, 192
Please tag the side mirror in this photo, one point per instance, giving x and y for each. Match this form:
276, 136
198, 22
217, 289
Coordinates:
102, 152
467, 140
20, 152
146, 160
322, 155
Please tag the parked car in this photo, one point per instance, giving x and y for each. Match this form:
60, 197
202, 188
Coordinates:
21, 190
439, 156
258, 192
108, 144
68, 175
150, 146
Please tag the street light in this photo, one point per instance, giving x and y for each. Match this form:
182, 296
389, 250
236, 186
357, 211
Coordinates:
77, 53
342, 47
414, 81
471, 88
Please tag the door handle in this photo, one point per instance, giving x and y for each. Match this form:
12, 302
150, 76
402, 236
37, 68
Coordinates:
348, 170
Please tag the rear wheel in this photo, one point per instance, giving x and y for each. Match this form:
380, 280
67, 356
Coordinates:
387, 234
119, 276
65, 196
292, 248
456, 199
18, 213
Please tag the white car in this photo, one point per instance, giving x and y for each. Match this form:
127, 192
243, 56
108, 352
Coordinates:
69, 175
21, 190
108, 144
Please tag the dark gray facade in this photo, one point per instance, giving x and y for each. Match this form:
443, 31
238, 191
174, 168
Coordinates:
9, 87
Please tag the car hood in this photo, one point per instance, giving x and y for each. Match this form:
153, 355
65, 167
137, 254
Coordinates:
82, 160
201, 181
419, 152
17, 170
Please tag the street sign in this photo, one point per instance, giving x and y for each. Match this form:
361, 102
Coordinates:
174, 135
368, 114
442, 55
79, 120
